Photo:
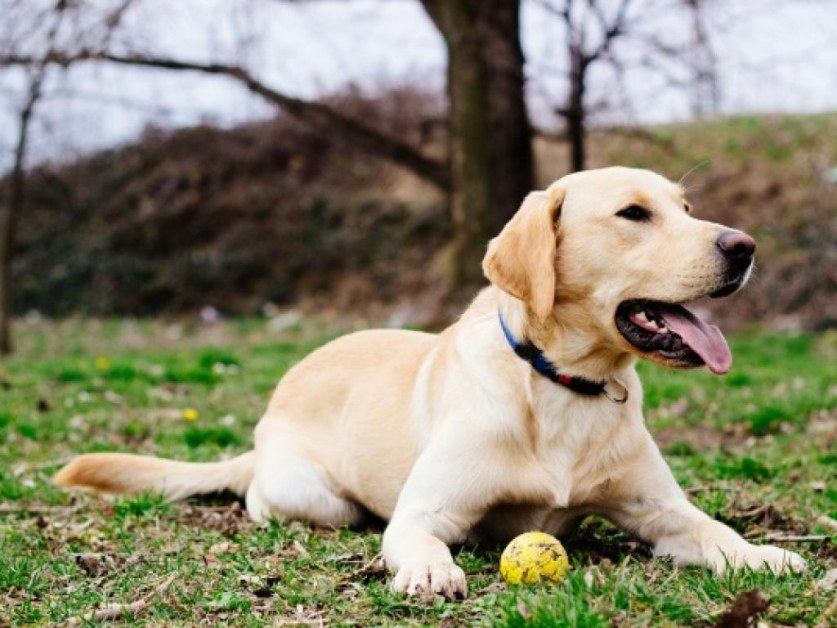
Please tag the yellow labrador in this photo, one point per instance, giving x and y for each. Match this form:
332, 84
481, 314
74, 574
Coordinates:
525, 414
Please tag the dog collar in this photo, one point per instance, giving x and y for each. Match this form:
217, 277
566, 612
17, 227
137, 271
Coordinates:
528, 351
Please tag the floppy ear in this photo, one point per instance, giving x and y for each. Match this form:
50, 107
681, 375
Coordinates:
521, 260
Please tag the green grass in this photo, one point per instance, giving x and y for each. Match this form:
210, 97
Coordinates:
755, 448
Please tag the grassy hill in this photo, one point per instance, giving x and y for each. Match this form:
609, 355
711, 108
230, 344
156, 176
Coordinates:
270, 213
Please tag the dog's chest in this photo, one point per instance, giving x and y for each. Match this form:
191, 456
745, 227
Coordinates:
581, 446
569, 471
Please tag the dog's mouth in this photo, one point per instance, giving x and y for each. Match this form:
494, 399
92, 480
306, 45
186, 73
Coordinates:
673, 335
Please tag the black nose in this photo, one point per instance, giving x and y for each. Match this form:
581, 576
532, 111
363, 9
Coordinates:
736, 246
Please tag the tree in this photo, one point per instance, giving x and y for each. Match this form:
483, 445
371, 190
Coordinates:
15, 194
582, 56
592, 37
705, 95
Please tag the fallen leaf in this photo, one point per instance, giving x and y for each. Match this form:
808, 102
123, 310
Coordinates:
300, 549
220, 548
495, 587
744, 611
94, 564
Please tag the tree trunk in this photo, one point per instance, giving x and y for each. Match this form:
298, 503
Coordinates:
9, 211
575, 113
7, 215
509, 132
470, 161
490, 137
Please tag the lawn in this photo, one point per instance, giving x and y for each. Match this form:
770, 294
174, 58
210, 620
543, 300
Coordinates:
755, 448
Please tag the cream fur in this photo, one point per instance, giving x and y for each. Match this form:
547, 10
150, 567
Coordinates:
452, 436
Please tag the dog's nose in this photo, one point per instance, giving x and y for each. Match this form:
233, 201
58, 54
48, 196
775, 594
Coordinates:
736, 246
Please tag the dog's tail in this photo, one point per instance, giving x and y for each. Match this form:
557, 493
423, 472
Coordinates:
127, 473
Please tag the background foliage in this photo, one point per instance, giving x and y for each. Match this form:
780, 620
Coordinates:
272, 213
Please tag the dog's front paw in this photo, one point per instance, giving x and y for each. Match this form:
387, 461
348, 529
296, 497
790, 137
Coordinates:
776, 559
759, 557
425, 579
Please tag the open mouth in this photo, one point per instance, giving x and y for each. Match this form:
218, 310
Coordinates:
673, 334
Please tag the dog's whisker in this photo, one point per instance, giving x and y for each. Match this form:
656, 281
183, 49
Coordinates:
701, 164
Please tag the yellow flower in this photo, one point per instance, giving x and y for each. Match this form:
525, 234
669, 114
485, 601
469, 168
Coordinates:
102, 363
190, 414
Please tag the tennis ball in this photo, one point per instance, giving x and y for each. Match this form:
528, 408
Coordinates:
533, 556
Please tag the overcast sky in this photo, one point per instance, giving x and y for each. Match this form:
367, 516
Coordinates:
773, 57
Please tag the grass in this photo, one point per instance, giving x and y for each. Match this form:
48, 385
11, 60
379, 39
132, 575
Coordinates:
755, 448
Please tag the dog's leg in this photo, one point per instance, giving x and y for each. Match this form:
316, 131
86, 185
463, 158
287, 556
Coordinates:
445, 494
287, 485
649, 503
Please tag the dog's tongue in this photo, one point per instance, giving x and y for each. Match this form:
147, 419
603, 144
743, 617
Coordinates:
705, 340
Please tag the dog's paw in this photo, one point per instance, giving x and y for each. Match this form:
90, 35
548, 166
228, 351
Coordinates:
775, 559
427, 580
758, 557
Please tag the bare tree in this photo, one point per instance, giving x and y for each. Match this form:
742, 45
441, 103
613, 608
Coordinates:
15, 195
50, 20
352, 132
593, 32
705, 93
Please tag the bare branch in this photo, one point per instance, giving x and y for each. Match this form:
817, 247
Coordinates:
114, 19
610, 31
358, 135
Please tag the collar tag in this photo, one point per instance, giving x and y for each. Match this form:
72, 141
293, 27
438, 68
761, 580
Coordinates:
616, 391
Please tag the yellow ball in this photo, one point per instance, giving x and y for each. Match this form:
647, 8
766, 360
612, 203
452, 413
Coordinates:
533, 556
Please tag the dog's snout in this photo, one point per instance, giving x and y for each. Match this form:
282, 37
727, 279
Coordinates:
736, 246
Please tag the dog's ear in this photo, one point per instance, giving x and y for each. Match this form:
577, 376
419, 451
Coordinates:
521, 259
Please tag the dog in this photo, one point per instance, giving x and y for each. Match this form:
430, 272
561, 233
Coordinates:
525, 414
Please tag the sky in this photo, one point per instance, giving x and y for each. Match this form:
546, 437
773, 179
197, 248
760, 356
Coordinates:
773, 56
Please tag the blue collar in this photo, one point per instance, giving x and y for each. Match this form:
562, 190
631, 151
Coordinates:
534, 356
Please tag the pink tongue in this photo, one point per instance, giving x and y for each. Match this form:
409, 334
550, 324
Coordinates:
705, 340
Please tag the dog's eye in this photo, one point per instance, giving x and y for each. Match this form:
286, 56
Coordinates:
635, 212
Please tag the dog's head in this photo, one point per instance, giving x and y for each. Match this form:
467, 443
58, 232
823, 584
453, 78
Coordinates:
618, 251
